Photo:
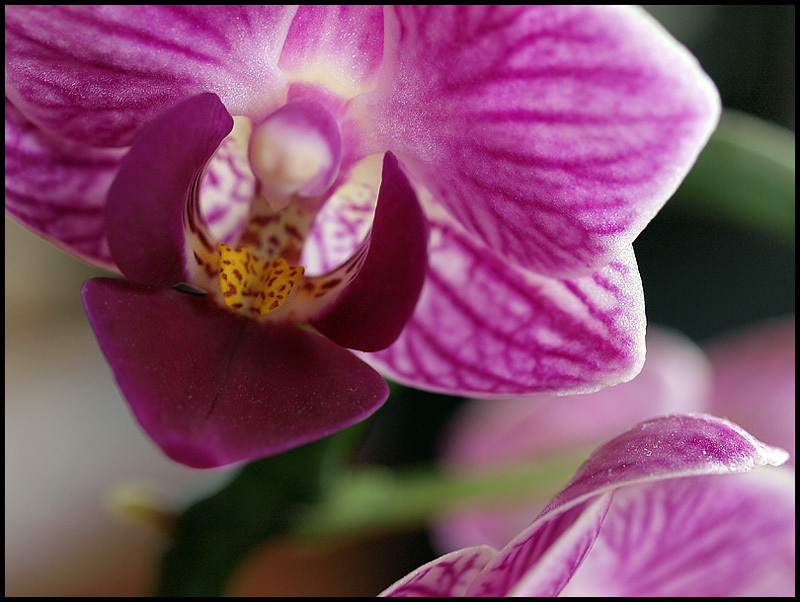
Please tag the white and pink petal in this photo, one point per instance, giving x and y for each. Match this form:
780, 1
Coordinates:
541, 560
679, 454
58, 189
96, 74
710, 536
335, 47
485, 328
559, 131
675, 378
448, 576
678, 445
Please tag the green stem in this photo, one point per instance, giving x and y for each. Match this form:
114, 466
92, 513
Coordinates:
375, 499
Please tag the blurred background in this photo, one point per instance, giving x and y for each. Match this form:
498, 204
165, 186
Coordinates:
72, 449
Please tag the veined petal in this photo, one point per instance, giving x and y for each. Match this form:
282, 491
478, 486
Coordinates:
157, 184
554, 134
713, 536
95, 74
541, 560
227, 190
448, 576
334, 46
675, 378
212, 388
58, 189
679, 445
485, 328
754, 381
375, 305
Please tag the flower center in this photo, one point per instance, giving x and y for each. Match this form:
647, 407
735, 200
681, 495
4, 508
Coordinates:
295, 151
295, 155
252, 285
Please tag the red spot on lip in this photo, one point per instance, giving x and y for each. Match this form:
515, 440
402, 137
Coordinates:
292, 231
330, 283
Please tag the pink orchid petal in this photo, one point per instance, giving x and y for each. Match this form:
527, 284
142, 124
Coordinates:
335, 46
344, 221
447, 576
227, 189
373, 308
754, 381
148, 199
95, 74
58, 189
485, 328
675, 378
714, 536
212, 388
559, 131
541, 560
679, 445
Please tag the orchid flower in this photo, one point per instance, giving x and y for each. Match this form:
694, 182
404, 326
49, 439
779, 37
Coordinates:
658, 511
298, 196
748, 377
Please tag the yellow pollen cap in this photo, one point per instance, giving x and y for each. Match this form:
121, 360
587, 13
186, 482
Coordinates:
255, 286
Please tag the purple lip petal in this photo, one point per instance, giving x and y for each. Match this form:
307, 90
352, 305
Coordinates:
560, 131
712, 536
213, 389
679, 445
541, 560
149, 196
485, 328
447, 576
372, 310
58, 189
96, 74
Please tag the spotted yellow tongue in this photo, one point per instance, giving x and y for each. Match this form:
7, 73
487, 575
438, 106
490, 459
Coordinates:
252, 285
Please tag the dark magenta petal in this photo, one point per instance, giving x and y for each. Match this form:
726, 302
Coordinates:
372, 311
147, 201
212, 388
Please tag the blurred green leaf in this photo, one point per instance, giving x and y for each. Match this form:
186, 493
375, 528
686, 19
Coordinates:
378, 499
746, 173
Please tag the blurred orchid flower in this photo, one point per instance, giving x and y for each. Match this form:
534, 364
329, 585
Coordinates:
657, 511
452, 189
748, 377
